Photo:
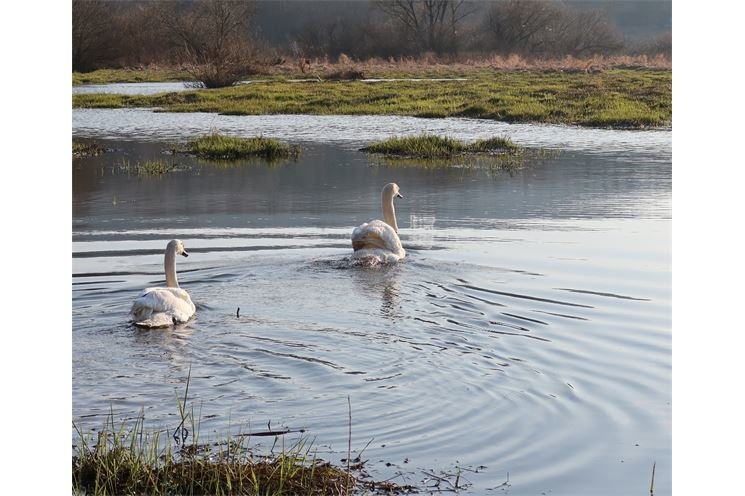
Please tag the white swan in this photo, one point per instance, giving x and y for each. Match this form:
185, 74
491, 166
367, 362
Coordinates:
164, 307
377, 241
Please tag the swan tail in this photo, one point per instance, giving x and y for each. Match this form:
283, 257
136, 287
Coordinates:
157, 320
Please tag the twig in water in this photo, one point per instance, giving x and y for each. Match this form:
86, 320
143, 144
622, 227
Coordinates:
238, 313
349, 442
181, 434
651, 486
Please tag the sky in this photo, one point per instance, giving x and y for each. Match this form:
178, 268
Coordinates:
707, 255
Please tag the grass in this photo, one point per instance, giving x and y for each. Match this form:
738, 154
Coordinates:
127, 459
621, 98
221, 147
426, 66
150, 75
432, 151
429, 146
86, 149
148, 167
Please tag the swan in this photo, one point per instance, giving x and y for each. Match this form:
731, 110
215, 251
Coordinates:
377, 241
164, 307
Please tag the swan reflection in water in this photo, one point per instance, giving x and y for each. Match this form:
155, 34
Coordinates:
382, 282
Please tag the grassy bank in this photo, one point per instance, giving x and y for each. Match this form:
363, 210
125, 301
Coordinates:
403, 67
151, 75
633, 98
126, 459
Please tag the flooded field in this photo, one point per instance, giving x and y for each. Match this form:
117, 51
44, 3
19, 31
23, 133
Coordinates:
525, 339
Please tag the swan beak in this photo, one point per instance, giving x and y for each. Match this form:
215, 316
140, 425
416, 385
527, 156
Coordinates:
184, 253
399, 195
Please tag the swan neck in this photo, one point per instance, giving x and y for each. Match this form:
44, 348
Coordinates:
389, 212
170, 266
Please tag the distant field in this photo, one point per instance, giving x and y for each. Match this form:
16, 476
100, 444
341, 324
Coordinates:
599, 97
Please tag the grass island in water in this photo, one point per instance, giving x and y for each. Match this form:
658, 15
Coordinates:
220, 147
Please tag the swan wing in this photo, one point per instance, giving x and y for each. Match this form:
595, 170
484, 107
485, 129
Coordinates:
376, 235
162, 307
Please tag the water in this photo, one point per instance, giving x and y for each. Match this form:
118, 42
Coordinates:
132, 88
528, 331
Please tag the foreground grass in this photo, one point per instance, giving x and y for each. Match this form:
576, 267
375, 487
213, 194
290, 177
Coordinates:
626, 98
129, 460
221, 147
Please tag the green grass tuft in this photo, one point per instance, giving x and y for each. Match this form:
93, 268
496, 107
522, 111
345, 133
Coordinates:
422, 146
429, 146
220, 147
432, 151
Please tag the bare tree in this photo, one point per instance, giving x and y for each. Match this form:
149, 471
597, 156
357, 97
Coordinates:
545, 28
90, 34
431, 24
212, 38
589, 33
526, 27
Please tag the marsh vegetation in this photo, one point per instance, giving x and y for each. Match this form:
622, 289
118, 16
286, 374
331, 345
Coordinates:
433, 146
433, 151
86, 148
217, 146
613, 98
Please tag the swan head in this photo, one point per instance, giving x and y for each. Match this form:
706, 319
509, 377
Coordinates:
177, 246
391, 190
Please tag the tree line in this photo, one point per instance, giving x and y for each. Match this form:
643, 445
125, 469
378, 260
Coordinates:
222, 40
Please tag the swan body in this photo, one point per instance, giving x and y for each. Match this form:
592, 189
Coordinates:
377, 241
164, 306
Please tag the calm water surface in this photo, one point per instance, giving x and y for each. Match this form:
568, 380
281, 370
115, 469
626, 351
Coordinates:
527, 332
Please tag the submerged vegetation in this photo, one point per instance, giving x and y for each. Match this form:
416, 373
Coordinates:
633, 98
86, 148
148, 167
221, 147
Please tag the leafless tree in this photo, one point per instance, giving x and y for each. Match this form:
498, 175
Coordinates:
431, 24
524, 26
213, 38
546, 28
90, 34
588, 33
